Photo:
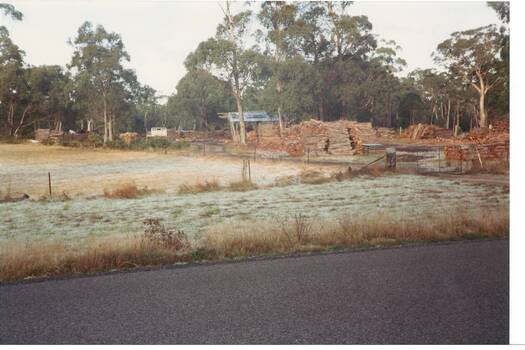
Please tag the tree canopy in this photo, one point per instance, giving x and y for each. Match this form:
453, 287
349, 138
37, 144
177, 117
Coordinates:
297, 60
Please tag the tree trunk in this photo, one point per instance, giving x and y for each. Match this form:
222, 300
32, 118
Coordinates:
110, 127
482, 113
448, 115
15, 133
242, 126
321, 109
105, 119
146, 122
279, 111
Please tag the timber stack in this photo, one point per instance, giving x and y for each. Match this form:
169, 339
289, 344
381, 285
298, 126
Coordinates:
426, 131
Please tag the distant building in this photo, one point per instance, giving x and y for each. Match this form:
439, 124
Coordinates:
158, 132
252, 119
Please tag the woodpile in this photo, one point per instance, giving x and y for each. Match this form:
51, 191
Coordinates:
386, 133
41, 134
500, 125
316, 137
482, 143
359, 134
473, 151
129, 137
47, 134
486, 136
268, 130
426, 131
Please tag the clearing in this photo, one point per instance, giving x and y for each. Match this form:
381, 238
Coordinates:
83, 174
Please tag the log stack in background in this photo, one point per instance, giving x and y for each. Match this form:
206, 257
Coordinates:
340, 137
426, 131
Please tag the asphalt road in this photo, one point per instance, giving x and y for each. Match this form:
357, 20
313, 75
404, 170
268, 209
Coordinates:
456, 293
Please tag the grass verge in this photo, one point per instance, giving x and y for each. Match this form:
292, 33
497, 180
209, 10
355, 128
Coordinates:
159, 245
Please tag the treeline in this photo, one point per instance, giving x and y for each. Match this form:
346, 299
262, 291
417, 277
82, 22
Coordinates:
301, 61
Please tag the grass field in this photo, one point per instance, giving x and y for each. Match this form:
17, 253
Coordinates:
86, 172
403, 202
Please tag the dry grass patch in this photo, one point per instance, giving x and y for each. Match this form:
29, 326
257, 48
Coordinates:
127, 190
303, 234
313, 177
242, 186
156, 246
206, 186
159, 245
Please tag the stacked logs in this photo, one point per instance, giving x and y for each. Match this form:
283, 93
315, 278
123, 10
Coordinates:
316, 137
484, 143
426, 131
473, 151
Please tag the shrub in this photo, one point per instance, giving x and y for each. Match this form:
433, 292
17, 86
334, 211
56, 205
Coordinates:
206, 186
157, 235
313, 177
94, 140
117, 144
242, 186
127, 190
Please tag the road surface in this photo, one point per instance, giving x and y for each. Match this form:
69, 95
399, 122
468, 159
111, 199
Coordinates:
454, 293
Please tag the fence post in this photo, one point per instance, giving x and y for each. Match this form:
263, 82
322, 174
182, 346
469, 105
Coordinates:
255, 152
249, 171
49, 182
204, 149
391, 158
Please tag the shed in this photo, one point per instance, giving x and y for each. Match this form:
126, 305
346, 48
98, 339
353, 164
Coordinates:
158, 131
253, 118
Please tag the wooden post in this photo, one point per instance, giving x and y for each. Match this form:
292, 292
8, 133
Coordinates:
249, 171
49, 182
255, 152
204, 149
390, 158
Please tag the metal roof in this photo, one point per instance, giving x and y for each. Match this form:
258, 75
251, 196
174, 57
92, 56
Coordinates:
250, 117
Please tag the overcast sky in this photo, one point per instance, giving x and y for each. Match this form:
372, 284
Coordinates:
158, 35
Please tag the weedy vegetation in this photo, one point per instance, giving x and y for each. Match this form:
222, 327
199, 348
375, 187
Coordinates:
159, 245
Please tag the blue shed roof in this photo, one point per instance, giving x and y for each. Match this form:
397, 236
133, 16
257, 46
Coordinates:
251, 117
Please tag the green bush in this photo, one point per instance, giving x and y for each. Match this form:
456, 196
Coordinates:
94, 140
157, 143
117, 144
